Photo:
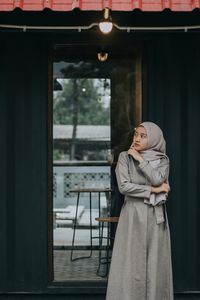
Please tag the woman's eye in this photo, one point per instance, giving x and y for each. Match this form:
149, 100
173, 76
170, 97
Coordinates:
143, 136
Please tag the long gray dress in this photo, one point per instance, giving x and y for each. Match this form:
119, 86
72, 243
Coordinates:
141, 261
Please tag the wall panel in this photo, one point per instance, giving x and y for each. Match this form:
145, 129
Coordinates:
173, 103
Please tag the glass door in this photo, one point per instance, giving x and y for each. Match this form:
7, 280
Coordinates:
96, 105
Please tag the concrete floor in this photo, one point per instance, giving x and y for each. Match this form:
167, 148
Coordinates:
78, 270
82, 269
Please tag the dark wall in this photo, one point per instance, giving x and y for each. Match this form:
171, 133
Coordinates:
172, 92
23, 152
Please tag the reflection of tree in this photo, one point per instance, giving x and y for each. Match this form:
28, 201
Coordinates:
78, 104
75, 117
90, 110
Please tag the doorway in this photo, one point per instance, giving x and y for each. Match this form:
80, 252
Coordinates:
96, 105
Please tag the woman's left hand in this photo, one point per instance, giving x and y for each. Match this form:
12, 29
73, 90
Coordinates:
135, 154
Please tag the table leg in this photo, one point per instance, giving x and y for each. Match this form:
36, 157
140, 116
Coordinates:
90, 224
107, 248
99, 215
101, 226
74, 231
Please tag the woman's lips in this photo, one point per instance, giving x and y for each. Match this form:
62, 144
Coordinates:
135, 144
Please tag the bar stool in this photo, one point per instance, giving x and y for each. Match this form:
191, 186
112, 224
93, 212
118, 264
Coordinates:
89, 191
105, 259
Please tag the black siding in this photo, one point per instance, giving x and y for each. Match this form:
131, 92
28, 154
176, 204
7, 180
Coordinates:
23, 98
174, 103
172, 93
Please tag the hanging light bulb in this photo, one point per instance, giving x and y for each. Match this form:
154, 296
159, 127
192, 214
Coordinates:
106, 25
102, 56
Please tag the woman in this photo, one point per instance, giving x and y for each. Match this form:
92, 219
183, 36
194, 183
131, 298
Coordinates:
141, 260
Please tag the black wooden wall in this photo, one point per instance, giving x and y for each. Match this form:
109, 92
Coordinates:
174, 103
23, 127
172, 89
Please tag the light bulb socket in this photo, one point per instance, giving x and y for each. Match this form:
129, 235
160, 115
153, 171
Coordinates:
106, 13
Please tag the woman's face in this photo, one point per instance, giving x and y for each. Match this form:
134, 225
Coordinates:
140, 141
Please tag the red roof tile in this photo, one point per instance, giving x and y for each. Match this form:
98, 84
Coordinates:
115, 5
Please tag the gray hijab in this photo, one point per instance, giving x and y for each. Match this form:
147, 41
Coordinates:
156, 142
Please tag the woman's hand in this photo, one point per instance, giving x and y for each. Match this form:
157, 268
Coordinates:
135, 154
163, 188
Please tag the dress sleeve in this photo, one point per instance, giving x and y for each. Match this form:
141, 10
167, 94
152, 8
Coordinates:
156, 176
126, 187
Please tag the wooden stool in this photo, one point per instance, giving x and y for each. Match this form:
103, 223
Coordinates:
105, 259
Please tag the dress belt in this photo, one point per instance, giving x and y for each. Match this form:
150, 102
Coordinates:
159, 213
159, 210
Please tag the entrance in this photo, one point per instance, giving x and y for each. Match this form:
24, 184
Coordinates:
97, 101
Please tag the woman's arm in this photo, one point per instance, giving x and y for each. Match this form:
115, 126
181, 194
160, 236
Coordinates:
126, 187
158, 175
163, 188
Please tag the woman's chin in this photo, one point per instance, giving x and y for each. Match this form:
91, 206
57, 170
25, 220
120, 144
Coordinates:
138, 148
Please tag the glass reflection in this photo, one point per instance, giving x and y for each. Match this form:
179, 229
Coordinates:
81, 139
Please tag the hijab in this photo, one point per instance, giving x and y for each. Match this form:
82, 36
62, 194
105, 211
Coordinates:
156, 150
156, 142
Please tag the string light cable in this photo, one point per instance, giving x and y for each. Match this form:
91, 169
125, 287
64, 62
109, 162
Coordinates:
128, 29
